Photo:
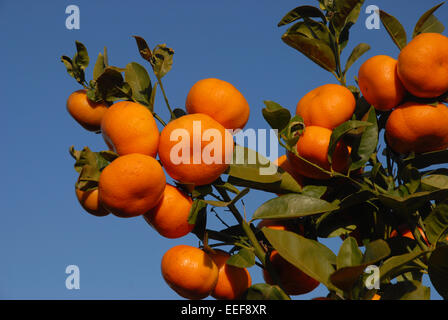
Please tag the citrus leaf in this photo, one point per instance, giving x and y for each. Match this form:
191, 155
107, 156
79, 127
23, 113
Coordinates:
292, 206
424, 160
343, 9
197, 206
300, 13
438, 270
81, 58
389, 267
245, 258
436, 223
314, 191
349, 254
340, 131
138, 79
394, 28
316, 50
406, 290
434, 182
310, 256
277, 116
264, 291
357, 52
412, 202
161, 60
428, 22
99, 67
143, 48
366, 145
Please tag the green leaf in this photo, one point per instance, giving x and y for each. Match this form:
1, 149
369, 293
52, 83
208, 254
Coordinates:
316, 50
357, 52
196, 207
226, 204
145, 51
406, 290
424, 160
314, 191
343, 10
366, 145
152, 99
391, 265
68, 65
434, 182
111, 86
311, 257
277, 116
349, 254
138, 79
81, 58
438, 270
264, 291
292, 206
250, 169
395, 29
436, 223
350, 21
412, 202
245, 258
99, 67
162, 60
340, 131
428, 22
301, 13
375, 251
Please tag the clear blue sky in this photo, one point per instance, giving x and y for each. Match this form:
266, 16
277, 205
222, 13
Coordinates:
43, 228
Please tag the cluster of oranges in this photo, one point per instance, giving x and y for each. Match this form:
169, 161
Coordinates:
134, 184
408, 88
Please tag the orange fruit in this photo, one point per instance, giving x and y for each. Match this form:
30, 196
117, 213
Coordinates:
90, 202
220, 100
87, 113
405, 232
423, 65
272, 224
417, 127
326, 106
293, 280
313, 146
232, 281
379, 83
376, 297
129, 127
195, 149
131, 185
286, 165
189, 271
170, 216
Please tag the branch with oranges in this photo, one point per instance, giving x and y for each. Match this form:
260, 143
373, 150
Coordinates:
365, 163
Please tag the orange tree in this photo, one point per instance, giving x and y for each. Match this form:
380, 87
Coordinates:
365, 162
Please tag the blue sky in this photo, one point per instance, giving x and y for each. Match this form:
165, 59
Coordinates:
43, 228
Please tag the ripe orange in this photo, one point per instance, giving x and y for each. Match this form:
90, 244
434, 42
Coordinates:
189, 271
232, 281
423, 65
293, 280
169, 217
195, 149
90, 202
131, 185
326, 106
272, 224
417, 127
87, 113
376, 297
220, 100
405, 232
286, 165
129, 127
313, 146
379, 83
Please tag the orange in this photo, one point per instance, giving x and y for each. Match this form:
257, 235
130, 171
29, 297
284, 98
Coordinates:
313, 146
87, 113
131, 185
90, 202
195, 149
423, 65
189, 271
405, 232
293, 280
272, 224
326, 106
417, 127
232, 281
286, 165
376, 297
379, 83
220, 100
169, 217
129, 127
